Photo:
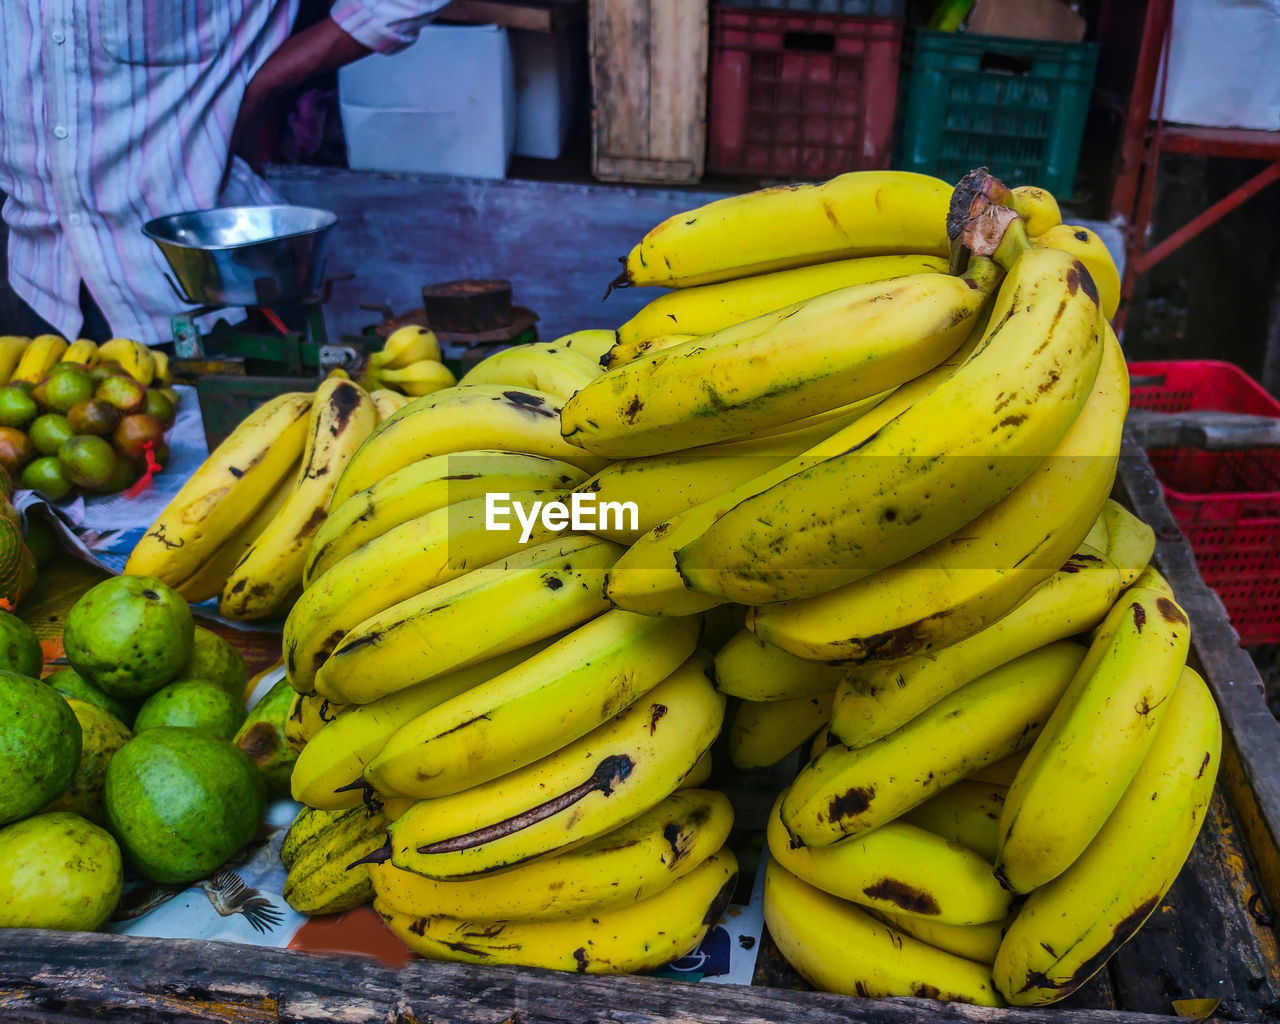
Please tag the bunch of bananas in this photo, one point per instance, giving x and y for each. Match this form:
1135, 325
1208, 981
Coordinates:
866, 442
29, 359
239, 528
408, 364
911, 582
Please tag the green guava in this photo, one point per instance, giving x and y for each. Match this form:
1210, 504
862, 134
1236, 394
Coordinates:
129, 635
181, 802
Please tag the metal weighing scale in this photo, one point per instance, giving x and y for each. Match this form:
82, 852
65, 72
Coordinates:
270, 261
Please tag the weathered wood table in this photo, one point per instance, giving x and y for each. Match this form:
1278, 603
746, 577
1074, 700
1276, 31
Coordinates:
1212, 938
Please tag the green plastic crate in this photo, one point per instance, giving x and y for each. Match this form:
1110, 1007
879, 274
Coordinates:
1015, 105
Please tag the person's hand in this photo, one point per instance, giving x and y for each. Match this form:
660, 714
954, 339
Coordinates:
322, 47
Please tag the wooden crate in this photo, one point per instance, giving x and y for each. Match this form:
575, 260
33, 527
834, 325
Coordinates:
649, 90
1212, 937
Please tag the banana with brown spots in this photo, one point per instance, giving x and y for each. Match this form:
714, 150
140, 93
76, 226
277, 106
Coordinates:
1079, 766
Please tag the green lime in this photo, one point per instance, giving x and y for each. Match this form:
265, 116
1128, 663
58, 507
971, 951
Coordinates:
159, 406
39, 745
93, 417
122, 476
50, 432
67, 387
88, 461
17, 407
46, 476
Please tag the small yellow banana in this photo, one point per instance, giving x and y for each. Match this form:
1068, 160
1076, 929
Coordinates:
11, 348
418, 379
36, 359
135, 357
407, 345
82, 351
386, 401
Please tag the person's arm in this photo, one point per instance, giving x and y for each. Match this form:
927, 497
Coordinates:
355, 29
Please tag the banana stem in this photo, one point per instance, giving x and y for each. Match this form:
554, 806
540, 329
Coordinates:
1014, 243
979, 218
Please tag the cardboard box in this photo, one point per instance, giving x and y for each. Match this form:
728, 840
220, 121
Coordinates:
1050, 20
446, 105
549, 69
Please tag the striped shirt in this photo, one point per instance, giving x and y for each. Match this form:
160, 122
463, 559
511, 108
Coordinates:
113, 112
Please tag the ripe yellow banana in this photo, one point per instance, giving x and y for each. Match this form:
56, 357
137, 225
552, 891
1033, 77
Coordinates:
163, 372
839, 947
593, 343
974, 438
335, 757
238, 477
897, 867
543, 366
749, 668
209, 579
660, 487
460, 419
136, 358
307, 716
1068, 928
712, 307
385, 402
424, 377
966, 581
874, 700
611, 775
402, 563
423, 487
862, 213
762, 733
802, 359
1097, 737
1037, 207
540, 591
967, 813
82, 351
629, 352
976, 942
646, 579
1130, 541
12, 347
534, 708
631, 938
846, 792
629, 864
268, 576
407, 345
1002, 773
1089, 249
1150, 579
38, 357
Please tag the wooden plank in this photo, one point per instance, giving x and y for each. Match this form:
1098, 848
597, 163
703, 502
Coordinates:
530, 15
1207, 431
54, 977
648, 79
1208, 939
619, 58
678, 76
1249, 758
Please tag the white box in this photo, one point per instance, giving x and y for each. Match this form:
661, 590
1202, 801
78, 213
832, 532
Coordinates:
445, 105
549, 68
1224, 64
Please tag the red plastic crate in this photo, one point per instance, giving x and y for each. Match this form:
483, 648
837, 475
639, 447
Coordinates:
799, 95
1227, 504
